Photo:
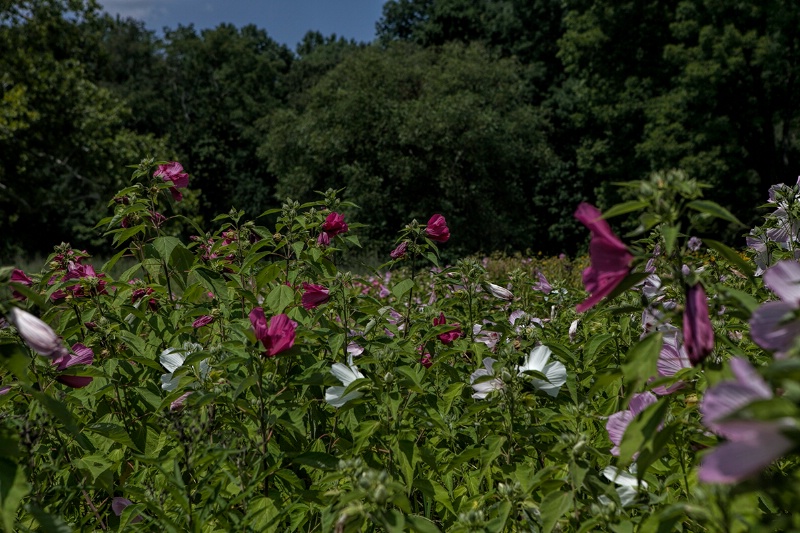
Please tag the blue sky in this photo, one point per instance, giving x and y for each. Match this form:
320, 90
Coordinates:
286, 21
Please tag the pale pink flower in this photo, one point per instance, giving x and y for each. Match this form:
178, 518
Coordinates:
772, 325
618, 422
37, 335
542, 285
751, 444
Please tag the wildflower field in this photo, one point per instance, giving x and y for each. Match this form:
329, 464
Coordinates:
240, 380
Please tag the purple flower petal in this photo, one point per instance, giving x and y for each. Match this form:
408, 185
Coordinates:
724, 399
773, 328
784, 280
697, 331
616, 426
737, 460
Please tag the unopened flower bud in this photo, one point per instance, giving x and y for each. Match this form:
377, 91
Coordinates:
499, 292
37, 335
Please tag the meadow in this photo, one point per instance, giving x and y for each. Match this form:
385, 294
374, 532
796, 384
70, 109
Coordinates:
240, 380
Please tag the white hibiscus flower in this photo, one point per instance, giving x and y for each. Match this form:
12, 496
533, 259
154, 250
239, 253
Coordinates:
172, 359
555, 372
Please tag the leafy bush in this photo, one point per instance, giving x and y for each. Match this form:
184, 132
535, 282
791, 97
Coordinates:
242, 382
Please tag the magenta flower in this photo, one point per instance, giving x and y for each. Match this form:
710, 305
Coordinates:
448, 336
278, 336
314, 295
610, 258
618, 422
324, 239
18, 276
769, 326
400, 251
173, 172
86, 272
426, 360
157, 218
202, 321
334, 224
437, 229
83, 356
37, 335
698, 334
751, 444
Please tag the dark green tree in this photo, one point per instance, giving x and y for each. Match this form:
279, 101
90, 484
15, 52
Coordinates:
63, 144
411, 132
215, 86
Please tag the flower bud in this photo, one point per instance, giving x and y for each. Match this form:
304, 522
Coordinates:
499, 292
37, 335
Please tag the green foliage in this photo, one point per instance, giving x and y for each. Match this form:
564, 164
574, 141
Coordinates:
377, 415
61, 136
411, 132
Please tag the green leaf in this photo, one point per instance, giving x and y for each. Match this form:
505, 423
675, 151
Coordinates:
319, 460
115, 432
164, 247
731, 256
625, 207
14, 358
553, 508
641, 360
421, 524
394, 521
122, 236
402, 287
363, 433
670, 234
746, 300
49, 523
714, 209
212, 281
642, 429
60, 412
13, 488
279, 298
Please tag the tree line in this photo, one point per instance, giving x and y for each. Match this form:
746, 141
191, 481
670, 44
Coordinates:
502, 114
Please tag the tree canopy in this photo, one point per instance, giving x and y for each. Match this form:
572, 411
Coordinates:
501, 114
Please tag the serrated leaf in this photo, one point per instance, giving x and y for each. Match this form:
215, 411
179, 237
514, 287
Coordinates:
279, 298
421, 524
